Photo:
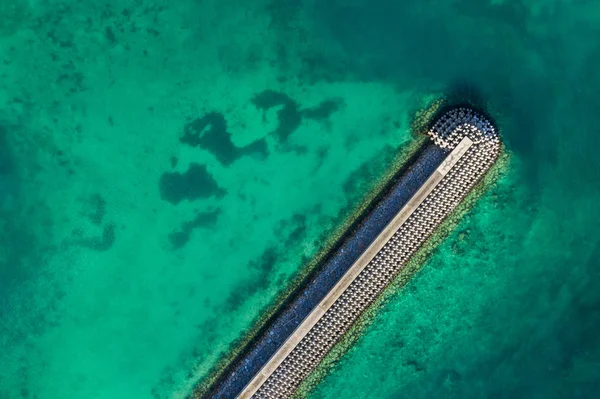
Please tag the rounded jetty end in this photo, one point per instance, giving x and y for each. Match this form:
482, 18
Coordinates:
460, 122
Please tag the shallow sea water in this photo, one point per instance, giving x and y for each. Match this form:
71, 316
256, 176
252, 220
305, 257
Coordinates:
166, 168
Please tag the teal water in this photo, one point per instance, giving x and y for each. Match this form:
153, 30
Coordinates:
167, 167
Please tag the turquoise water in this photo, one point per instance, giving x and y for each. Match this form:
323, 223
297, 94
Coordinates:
167, 167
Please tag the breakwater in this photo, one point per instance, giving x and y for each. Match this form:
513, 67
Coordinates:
464, 146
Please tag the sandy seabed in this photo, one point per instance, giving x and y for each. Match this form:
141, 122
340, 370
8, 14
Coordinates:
167, 167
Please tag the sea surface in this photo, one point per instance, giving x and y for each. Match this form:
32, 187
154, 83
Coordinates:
168, 167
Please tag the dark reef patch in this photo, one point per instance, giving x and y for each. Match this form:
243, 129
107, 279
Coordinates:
293, 230
268, 99
258, 147
191, 185
202, 220
324, 110
94, 211
210, 132
101, 243
97, 210
263, 266
290, 114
